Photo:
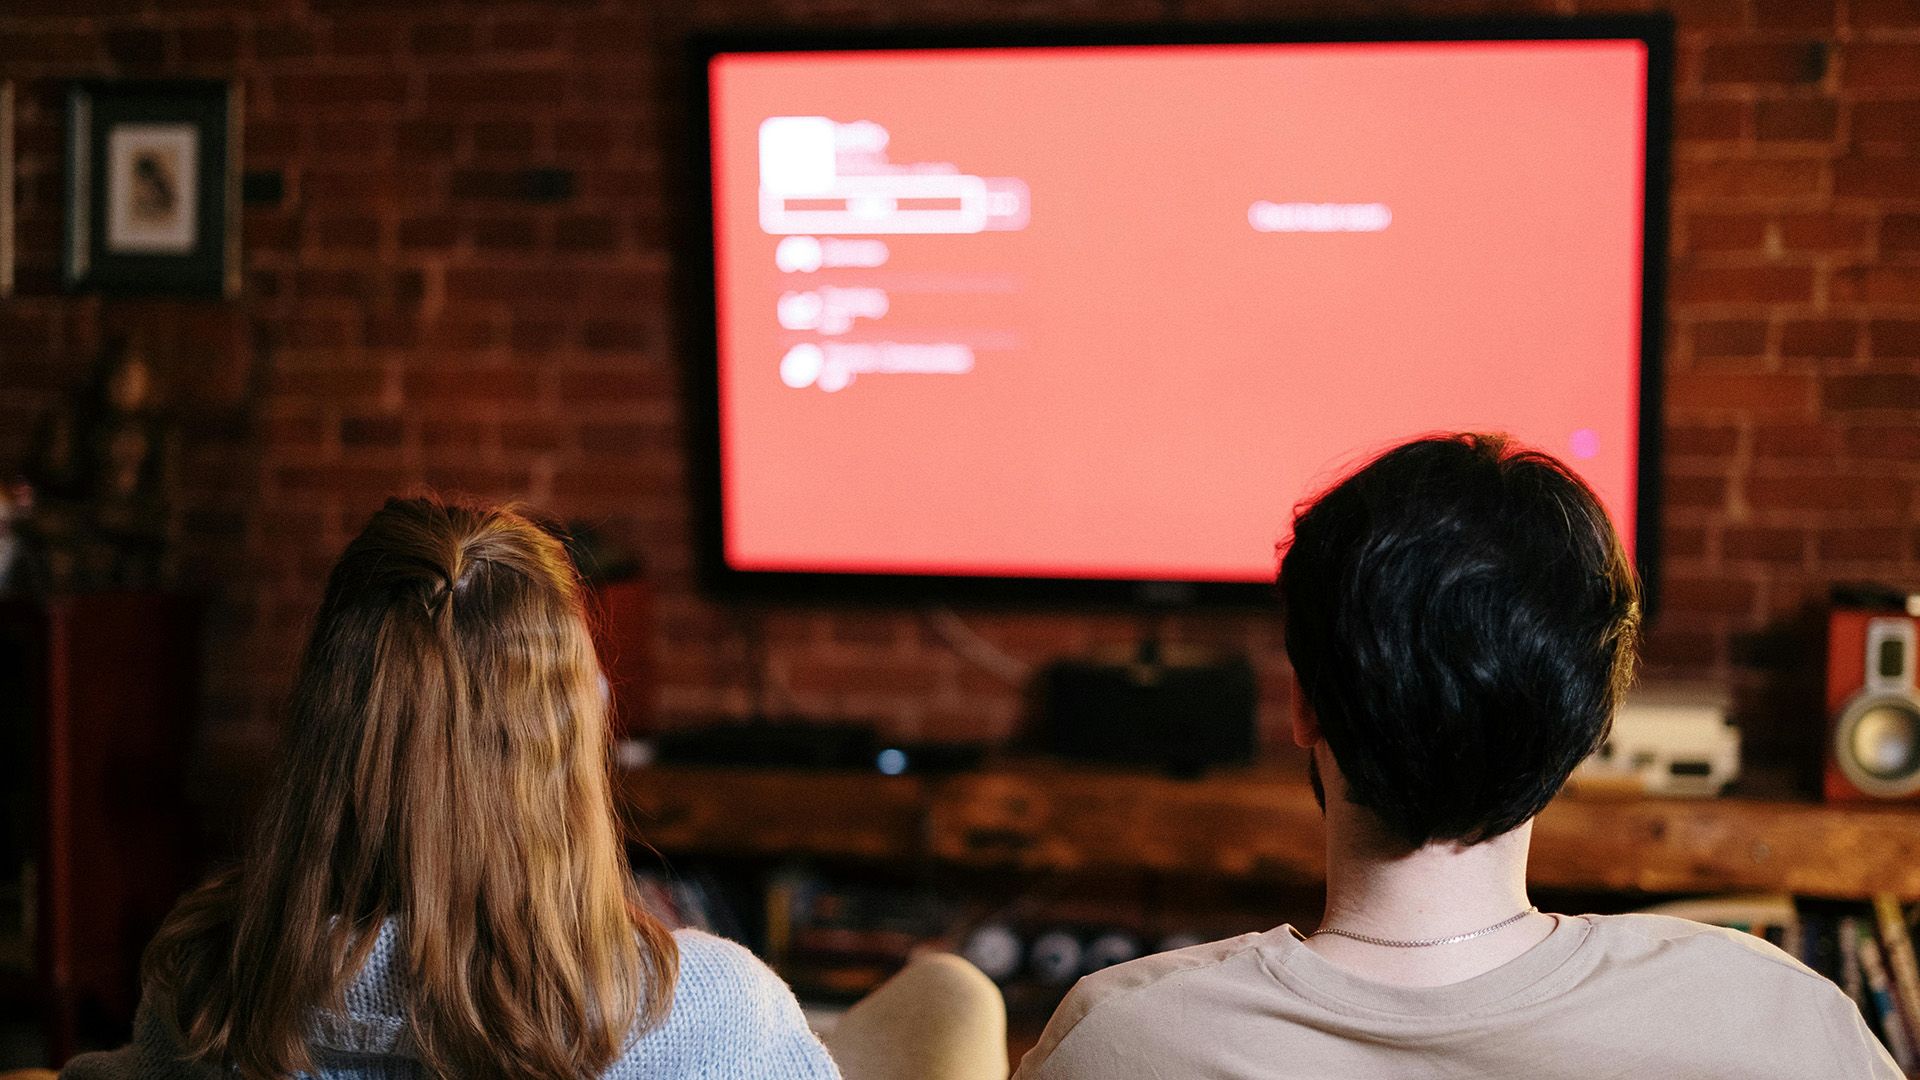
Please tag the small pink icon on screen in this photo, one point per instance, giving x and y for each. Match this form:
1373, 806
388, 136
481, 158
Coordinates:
1585, 444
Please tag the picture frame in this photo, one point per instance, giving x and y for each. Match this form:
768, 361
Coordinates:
153, 187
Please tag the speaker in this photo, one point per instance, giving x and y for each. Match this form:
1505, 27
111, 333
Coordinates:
1873, 706
1181, 714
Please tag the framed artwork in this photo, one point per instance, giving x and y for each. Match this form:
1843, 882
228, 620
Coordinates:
153, 187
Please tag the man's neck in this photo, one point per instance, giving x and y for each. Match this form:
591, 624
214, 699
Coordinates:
1377, 887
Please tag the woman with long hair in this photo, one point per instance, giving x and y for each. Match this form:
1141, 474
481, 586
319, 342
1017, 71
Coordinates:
438, 886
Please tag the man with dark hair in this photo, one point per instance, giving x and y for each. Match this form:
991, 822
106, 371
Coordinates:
1462, 622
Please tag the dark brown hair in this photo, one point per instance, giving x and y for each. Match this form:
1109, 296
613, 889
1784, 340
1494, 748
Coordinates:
1462, 620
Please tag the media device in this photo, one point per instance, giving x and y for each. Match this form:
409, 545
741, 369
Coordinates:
1083, 313
1669, 740
1164, 709
1873, 699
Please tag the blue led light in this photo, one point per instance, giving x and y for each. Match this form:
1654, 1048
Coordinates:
892, 762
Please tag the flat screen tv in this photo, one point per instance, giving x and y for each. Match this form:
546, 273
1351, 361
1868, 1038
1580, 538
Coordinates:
1078, 313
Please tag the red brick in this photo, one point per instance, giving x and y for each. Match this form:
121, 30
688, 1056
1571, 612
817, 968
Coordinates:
392, 332
1900, 234
499, 88
447, 434
535, 35
1704, 441
1742, 284
372, 431
508, 234
616, 335
325, 90
1710, 120
1880, 64
1838, 491
457, 333
1764, 545
1740, 338
1726, 232
1885, 122
531, 436
535, 335
1720, 596
1893, 337
1901, 442
1822, 232
625, 438
1703, 14
629, 383
352, 233
48, 48
1876, 285
1764, 179
429, 232
1873, 545
1671, 648
294, 431
477, 480
378, 36
1880, 14
1872, 391
514, 140
1683, 543
1819, 338
1796, 119
427, 140
1765, 62
486, 384
501, 284
1794, 442
337, 477
437, 38
319, 333
898, 677
209, 45
1795, 14
598, 481
348, 142
1696, 491
1877, 178
284, 41
594, 233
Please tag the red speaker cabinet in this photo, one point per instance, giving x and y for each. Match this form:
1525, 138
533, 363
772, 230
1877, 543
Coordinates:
1873, 708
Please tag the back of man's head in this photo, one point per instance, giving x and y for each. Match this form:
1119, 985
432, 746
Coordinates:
1462, 620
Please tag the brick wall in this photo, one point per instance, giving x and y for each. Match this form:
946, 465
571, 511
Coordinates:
462, 283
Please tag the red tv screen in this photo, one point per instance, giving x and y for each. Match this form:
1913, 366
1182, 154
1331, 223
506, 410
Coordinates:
1109, 312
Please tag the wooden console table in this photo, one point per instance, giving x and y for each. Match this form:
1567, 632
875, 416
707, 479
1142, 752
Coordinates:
1253, 823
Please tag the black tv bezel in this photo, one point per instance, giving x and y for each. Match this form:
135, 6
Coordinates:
697, 330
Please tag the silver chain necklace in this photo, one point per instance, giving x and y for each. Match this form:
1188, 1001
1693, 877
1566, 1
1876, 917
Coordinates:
1455, 939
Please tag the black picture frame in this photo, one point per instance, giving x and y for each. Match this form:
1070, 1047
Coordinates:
696, 305
153, 187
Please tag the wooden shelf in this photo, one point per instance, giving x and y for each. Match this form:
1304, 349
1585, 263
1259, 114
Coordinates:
1254, 823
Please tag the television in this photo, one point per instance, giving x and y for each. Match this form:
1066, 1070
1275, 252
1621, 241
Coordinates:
1083, 313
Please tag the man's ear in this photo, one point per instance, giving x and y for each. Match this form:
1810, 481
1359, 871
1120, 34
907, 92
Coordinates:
1306, 725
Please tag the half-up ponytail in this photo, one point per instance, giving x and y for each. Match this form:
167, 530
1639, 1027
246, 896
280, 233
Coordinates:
448, 769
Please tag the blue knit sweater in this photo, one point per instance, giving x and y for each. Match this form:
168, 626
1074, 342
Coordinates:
732, 1019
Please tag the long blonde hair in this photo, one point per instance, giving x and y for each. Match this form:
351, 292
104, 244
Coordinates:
448, 769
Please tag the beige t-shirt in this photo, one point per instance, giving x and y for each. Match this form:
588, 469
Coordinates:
1637, 997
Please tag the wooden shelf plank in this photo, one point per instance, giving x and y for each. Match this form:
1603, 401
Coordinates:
1254, 823
1717, 845
774, 812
